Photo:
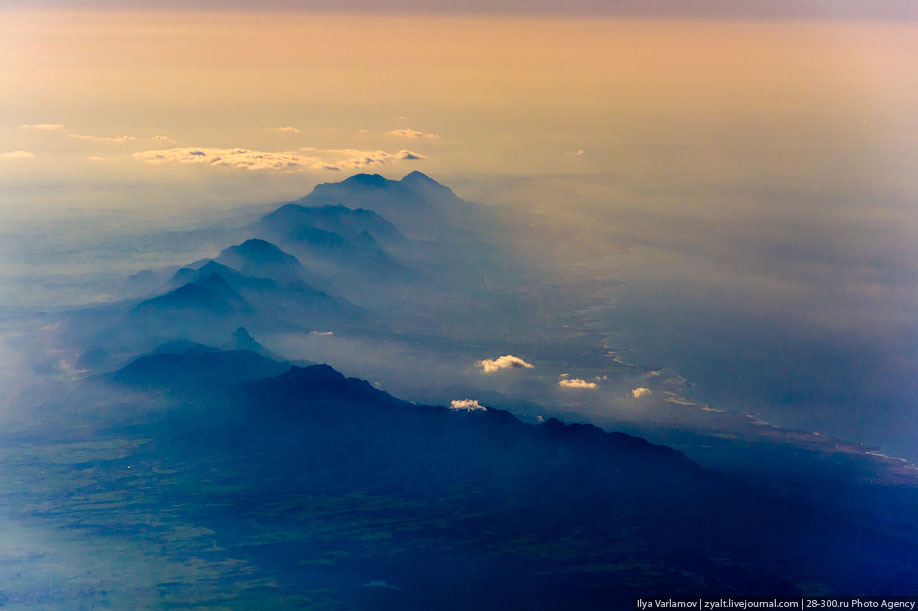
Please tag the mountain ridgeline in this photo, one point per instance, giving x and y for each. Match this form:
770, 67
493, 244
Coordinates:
593, 518
332, 260
301, 487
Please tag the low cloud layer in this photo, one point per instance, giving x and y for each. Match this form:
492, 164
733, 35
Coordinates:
637, 393
466, 404
411, 133
575, 383
508, 361
304, 159
114, 140
288, 161
43, 126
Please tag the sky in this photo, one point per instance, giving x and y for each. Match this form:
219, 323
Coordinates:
748, 9
712, 100
745, 170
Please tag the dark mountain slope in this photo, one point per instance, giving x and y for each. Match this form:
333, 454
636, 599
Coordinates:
551, 515
204, 369
208, 293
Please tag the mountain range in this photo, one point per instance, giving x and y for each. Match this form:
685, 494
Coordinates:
275, 482
560, 516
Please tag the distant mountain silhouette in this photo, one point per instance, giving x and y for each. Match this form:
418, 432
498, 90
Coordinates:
208, 294
335, 239
206, 369
262, 259
183, 346
418, 205
338, 219
242, 340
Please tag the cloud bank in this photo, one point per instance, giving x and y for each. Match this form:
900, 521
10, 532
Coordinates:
115, 140
411, 133
575, 383
508, 361
466, 404
287, 161
43, 126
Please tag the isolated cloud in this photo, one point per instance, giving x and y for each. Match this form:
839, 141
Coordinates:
116, 139
466, 404
355, 159
577, 153
284, 130
411, 133
508, 361
321, 332
43, 126
637, 393
18, 155
575, 383
287, 161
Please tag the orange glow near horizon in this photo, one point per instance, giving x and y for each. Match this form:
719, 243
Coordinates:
715, 99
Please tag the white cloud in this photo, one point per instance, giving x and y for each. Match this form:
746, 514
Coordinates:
508, 361
411, 133
575, 383
321, 332
43, 126
116, 139
466, 404
286, 161
637, 393
18, 155
284, 130
356, 159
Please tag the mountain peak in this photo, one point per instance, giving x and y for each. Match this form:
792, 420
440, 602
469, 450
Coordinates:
241, 334
419, 177
367, 180
260, 250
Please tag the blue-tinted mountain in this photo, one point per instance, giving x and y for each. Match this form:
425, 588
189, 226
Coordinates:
545, 516
207, 294
315, 238
242, 340
283, 297
261, 259
183, 346
205, 369
203, 269
338, 219
418, 205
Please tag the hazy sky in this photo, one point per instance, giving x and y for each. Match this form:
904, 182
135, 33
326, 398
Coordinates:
757, 9
758, 174
93, 92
